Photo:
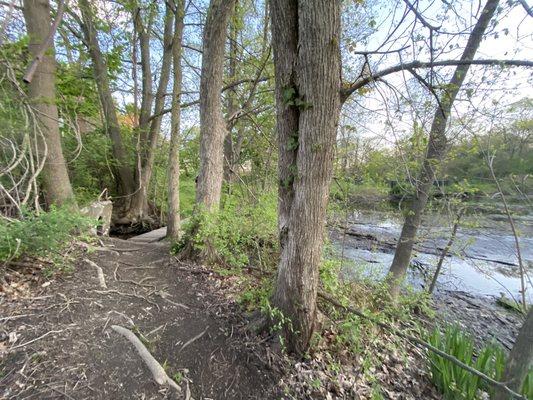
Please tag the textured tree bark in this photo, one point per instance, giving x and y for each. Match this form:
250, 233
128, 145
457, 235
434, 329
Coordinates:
125, 175
55, 180
173, 224
212, 124
306, 39
520, 360
231, 106
139, 203
436, 149
284, 17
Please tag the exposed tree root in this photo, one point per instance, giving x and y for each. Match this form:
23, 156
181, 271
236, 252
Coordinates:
99, 272
159, 374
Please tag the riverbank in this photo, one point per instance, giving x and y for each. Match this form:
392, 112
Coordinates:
474, 276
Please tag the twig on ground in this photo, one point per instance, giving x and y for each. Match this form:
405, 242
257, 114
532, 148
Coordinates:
34, 340
123, 315
155, 330
115, 275
15, 317
147, 285
99, 272
159, 374
190, 341
113, 291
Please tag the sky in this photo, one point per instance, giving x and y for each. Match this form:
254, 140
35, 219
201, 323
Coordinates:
510, 38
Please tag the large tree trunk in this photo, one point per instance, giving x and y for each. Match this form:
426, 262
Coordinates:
139, 204
520, 360
436, 149
307, 59
173, 224
284, 17
55, 180
125, 175
212, 124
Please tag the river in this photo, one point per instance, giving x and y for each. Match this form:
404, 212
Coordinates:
483, 260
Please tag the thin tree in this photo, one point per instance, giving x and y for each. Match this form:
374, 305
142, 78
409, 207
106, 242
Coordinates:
436, 150
520, 360
173, 224
139, 203
100, 72
42, 93
212, 124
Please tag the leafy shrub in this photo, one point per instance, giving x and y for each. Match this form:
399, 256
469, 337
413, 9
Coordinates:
235, 235
454, 382
36, 235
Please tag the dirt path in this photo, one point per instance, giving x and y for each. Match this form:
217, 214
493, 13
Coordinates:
58, 343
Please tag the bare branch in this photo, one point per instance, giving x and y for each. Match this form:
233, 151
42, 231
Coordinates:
365, 80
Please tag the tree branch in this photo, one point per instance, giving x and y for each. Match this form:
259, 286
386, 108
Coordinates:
347, 90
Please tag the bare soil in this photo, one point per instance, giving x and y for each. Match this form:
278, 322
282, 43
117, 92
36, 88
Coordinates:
56, 341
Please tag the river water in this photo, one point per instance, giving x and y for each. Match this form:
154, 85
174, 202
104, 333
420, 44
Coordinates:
483, 260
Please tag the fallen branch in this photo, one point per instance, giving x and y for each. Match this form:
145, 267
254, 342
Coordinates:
423, 344
190, 341
99, 272
159, 374
34, 340
12, 317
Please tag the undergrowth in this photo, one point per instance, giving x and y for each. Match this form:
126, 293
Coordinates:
454, 382
43, 234
238, 235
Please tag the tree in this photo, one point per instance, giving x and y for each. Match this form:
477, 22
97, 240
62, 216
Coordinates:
42, 93
125, 175
305, 39
212, 124
436, 149
139, 203
520, 360
173, 224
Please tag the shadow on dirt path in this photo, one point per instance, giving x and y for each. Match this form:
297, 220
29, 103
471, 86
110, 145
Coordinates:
58, 343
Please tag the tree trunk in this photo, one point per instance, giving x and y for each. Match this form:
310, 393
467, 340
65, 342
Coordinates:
520, 360
173, 225
231, 106
147, 97
306, 39
446, 250
125, 175
212, 124
284, 16
42, 93
436, 149
139, 204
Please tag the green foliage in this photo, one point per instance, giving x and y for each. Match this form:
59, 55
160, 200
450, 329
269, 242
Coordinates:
454, 382
291, 98
361, 336
239, 232
40, 235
